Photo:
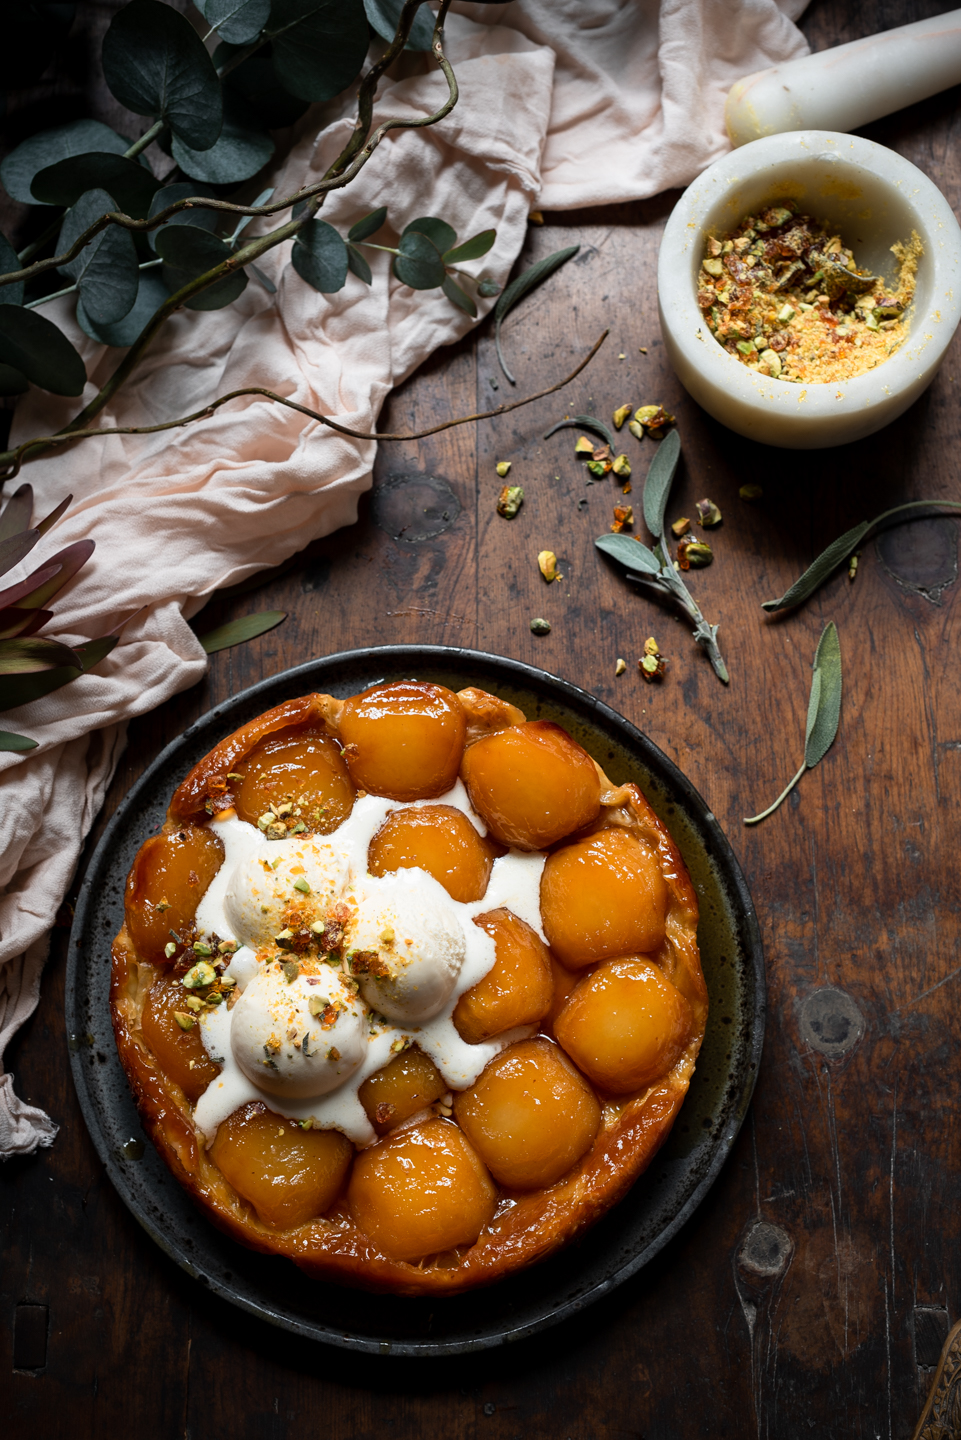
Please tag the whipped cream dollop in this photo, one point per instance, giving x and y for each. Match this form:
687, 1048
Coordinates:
307, 874
299, 1035
405, 944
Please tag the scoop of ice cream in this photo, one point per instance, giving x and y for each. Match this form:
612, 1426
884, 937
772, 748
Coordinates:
299, 1036
405, 945
306, 875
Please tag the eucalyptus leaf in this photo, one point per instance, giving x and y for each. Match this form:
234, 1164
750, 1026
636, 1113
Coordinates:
419, 264
487, 287
357, 265
459, 297
255, 80
657, 486
235, 632
237, 21
630, 552
151, 294
582, 422
10, 261
242, 148
522, 286
384, 17
12, 380
131, 186
28, 656
471, 249
318, 46
33, 345
196, 215
367, 225
155, 63
106, 269
18, 743
442, 234
320, 257
824, 712
187, 253
48, 147
17, 512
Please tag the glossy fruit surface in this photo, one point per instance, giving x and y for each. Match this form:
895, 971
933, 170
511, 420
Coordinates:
517, 991
439, 839
179, 1052
530, 1116
408, 1083
289, 1175
404, 741
303, 768
421, 1191
532, 784
625, 1025
165, 885
602, 896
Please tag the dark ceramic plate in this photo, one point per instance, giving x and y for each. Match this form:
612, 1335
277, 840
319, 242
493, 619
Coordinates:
625, 1239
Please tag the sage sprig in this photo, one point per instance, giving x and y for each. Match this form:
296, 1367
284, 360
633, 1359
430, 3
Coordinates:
522, 286
824, 712
839, 551
655, 568
235, 632
583, 422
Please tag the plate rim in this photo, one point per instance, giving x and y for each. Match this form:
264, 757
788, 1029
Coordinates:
533, 677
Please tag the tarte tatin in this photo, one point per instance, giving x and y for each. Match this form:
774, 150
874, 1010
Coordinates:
407, 990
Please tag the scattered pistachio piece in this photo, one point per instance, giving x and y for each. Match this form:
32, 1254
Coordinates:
547, 565
535, 218
302, 886
277, 831
769, 363
636, 429
228, 982
185, 1021
680, 527
652, 664
853, 565
620, 415
786, 314
199, 975
621, 466
642, 349
316, 1005
285, 937
201, 949
233, 775
708, 514
713, 267
747, 347
623, 518
503, 468
583, 446
510, 501
694, 554
750, 493
291, 970
333, 1053
228, 947
599, 467
194, 1002
540, 627
170, 949
307, 1124
266, 819
620, 667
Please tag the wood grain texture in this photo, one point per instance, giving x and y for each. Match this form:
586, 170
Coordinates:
786, 1308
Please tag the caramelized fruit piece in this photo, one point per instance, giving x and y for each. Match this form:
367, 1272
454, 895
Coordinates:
532, 784
404, 741
602, 896
519, 988
564, 982
408, 1083
166, 883
287, 1174
301, 767
625, 1024
176, 1049
530, 1116
421, 1191
438, 839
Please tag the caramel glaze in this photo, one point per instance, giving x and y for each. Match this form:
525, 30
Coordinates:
527, 1226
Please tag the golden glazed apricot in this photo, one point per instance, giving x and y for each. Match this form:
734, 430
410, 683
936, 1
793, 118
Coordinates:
408, 1083
404, 741
518, 990
440, 840
287, 1174
625, 1025
165, 885
532, 784
602, 896
179, 1052
530, 1116
302, 768
421, 1191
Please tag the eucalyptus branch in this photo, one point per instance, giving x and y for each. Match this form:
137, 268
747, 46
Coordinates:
146, 138
69, 289
15, 458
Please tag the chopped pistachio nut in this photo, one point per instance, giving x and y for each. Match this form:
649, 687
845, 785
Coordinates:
234, 775
694, 554
199, 976
267, 819
651, 646
583, 446
291, 970
853, 565
303, 886
654, 418
621, 466
636, 429
623, 518
746, 347
535, 217
318, 927
600, 467
510, 501
708, 514
316, 1005
680, 527
333, 1053
185, 1021
284, 810
298, 829
620, 667
652, 664
540, 627
228, 982
284, 937
751, 492
214, 998
547, 565
769, 363
503, 468
277, 831
620, 415
170, 949
307, 1124
228, 947
194, 1002
201, 949
786, 314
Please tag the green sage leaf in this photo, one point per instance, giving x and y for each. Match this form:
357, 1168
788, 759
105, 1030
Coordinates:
9, 741
318, 47
522, 286
657, 486
824, 709
367, 225
582, 422
384, 17
154, 63
235, 632
239, 22
188, 253
459, 297
151, 294
105, 270
471, 249
357, 265
33, 345
419, 264
438, 231
241, 149
196, 215
41, 151
27, 657
320, 257
10, 261
630, 552
129, 184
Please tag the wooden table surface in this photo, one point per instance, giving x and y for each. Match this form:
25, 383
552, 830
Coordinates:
828, 1323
